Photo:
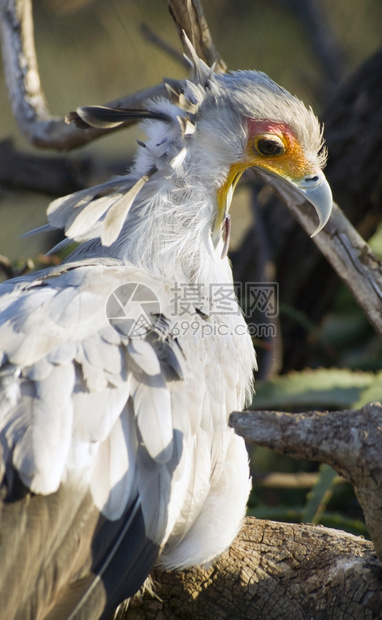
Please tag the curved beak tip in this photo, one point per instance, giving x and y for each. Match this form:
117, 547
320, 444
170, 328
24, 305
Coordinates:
317, 191
314, 188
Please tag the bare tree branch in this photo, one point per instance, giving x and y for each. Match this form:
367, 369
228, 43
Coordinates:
271, 570
344, 248
26, 94
25, 91
51, 174
28, 103
350, 441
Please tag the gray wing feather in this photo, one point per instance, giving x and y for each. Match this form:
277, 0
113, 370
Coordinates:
118, 212
40, 370
113, 483
152, 407
62, 354
96, 412
89, 215
80, 214
72, 380
62, 212
144, 356
45, 420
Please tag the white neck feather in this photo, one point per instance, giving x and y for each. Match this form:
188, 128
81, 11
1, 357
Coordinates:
169, 234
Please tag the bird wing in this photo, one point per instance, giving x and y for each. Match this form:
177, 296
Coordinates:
83, 407
108, 440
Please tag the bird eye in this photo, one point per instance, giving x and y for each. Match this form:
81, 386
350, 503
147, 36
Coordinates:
269, 146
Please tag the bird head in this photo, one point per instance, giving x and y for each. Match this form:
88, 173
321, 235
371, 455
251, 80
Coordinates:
250, 122
214, 127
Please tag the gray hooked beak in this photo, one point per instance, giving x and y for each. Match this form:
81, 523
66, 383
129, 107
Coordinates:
313, 188
316, 190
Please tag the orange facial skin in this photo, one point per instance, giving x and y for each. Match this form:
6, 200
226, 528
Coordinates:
292, 163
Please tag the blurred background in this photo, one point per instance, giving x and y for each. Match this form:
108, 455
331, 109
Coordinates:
94, 51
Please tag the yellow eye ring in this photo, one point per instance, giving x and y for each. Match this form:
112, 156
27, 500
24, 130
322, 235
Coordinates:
269, 145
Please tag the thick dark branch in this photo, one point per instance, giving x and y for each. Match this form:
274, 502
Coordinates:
53, 175
350, 441
272, 571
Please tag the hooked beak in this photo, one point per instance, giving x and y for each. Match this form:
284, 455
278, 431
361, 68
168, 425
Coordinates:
316, 190
313, 188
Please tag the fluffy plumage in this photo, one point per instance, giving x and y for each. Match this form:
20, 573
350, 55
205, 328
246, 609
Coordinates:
116, 452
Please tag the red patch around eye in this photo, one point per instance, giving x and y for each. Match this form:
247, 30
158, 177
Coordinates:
265, 126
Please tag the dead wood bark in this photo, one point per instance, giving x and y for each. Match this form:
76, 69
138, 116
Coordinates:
272, 571
350, 441
27, 98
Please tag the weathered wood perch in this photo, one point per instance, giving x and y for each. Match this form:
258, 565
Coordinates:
350, 441
273, 571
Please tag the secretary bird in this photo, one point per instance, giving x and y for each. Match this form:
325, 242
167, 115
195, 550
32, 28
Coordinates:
119, 367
